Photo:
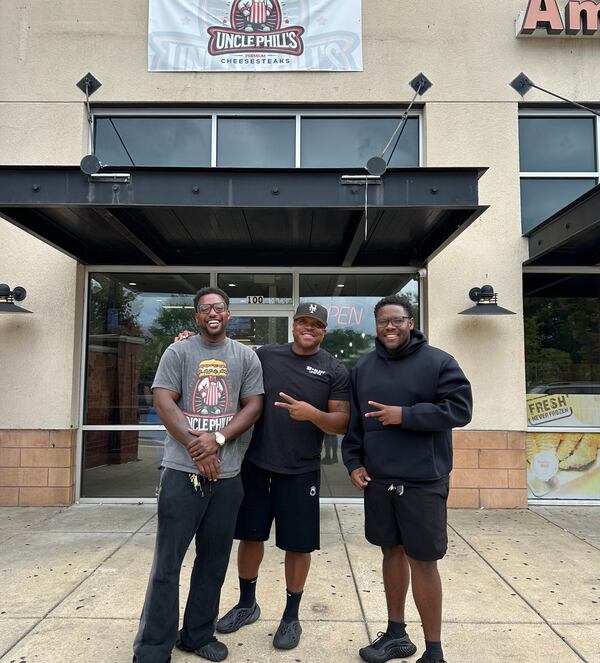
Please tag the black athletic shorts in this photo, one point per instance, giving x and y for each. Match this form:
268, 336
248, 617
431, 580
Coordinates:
417, 518
291, 499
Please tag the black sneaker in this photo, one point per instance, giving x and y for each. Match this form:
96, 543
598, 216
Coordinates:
424, 659
211, 651
386, 647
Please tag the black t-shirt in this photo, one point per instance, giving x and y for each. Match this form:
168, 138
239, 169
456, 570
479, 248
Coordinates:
279, 443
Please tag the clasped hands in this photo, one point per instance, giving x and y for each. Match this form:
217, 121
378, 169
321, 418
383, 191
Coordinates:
203, 449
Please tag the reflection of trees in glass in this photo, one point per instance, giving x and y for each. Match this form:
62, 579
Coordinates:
169, 322
562, 339
348, 345
111, 308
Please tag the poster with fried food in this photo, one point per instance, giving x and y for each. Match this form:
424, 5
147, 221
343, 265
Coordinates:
563, 465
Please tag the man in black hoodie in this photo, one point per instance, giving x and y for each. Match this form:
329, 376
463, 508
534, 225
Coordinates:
406, 398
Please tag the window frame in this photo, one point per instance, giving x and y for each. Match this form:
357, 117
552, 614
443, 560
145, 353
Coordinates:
239, 309
561, 270
562, 175
295, 113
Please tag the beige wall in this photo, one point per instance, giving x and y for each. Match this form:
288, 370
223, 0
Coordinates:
38, 351
490, 348
467, 48
469, 51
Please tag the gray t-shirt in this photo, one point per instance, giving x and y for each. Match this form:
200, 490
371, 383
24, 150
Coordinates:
210, 379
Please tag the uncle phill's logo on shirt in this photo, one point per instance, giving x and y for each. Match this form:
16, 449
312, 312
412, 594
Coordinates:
210, 392
256, 25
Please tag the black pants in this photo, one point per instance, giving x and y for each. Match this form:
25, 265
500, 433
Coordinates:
209, 515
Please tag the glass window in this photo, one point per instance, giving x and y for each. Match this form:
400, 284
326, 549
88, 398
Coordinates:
153, 141
562, 359
121, 463
132, 318
255, 289
349, 142
350, 299
557, 144
256, 142
540, 198
258, 330
562, 348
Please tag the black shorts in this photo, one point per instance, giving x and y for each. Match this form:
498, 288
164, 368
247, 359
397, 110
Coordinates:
291, 499
417, 519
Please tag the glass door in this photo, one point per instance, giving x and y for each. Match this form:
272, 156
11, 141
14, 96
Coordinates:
257, 329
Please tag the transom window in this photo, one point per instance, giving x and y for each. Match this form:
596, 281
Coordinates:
559, 162
254, 139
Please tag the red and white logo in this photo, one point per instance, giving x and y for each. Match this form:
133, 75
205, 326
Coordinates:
256, 25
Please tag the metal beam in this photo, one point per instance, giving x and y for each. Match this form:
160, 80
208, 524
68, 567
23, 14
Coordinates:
117, 225
358, 240
219, 187
574, 230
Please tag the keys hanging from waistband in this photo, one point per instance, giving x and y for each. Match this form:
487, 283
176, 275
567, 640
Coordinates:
399, 489
198, 481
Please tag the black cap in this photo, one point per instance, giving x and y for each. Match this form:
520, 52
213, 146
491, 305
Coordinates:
311, 310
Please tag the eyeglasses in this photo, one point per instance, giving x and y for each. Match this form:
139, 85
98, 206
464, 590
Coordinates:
397, 322
219, 307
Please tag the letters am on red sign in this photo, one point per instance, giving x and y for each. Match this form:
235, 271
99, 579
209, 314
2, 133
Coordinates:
551, 18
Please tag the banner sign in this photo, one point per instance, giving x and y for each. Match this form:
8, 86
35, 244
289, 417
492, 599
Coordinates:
255, 35
564, 410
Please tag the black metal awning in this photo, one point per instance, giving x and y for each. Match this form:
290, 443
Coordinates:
570, 237
240, 217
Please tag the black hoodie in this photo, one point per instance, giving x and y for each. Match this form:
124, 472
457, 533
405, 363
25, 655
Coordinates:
435, 397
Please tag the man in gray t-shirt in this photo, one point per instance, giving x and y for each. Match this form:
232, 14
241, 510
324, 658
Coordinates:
210, 378
207, 392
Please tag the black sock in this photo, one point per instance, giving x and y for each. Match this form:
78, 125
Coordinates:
247, 593
433, 651
396, 629
290, 614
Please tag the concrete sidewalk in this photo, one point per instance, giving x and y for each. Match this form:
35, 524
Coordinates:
519, 586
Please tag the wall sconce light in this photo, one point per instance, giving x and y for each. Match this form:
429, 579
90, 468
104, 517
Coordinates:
8, 298
486, 302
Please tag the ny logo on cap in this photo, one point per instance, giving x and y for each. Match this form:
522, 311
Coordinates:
312, 308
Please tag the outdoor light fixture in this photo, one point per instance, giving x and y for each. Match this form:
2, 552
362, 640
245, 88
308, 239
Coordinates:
522, 84
8, 298
486, 302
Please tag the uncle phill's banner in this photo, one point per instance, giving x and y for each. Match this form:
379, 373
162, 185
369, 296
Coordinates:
255, 35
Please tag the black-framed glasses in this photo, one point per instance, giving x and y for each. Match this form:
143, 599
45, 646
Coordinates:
397, 322
219, 307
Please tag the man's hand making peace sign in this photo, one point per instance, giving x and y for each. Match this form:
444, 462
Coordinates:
334, 421
298, 410
387, 414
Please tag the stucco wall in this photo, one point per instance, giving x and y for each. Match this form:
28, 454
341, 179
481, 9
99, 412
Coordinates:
468, 49
490, 348
38, 351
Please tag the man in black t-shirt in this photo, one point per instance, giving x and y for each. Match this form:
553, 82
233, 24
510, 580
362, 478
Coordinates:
306, 395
